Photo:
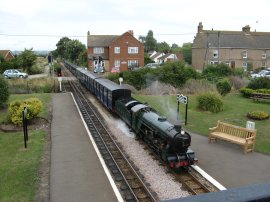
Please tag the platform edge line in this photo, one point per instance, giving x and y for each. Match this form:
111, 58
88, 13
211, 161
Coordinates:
209, 178
115, 189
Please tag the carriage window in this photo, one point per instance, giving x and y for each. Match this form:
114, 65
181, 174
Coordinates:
110, 95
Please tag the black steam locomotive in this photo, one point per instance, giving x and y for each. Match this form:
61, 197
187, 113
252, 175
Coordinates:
170, 142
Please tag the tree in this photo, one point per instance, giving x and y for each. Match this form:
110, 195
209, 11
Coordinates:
187, 52
163, 47
27, 59
150, 42
83, 58
1, 58
73, 50
61, 47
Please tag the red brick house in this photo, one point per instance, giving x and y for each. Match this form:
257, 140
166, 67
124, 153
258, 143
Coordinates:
7, 55
123, 52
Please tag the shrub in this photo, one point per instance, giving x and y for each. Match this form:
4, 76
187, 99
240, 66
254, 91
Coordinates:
220, 70
195, 86
224, 87
259, 83
258, 115
34, 106
246, 92
210, 102
4, 93
237, 82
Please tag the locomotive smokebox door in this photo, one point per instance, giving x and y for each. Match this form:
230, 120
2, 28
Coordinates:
177, 125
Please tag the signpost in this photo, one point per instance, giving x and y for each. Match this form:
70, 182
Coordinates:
184, 100
25, 130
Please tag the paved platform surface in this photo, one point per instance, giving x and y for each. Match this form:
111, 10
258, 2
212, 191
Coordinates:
77, 175
227, 163
76, 172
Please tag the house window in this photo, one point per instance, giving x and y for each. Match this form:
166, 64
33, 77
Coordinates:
117, 63
228, 63
263, 64
213, 62
116, 49
133, 50
98, 50
133, 63
264, 54
244, 65
215, 53
244, 54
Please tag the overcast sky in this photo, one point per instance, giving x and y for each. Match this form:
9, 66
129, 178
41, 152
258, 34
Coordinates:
40, 24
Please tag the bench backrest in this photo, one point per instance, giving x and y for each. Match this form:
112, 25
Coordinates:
235, 130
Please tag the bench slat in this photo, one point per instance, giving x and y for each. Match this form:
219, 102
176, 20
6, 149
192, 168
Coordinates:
234, 134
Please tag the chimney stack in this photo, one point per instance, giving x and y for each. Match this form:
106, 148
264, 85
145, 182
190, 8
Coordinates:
200, 27
246, 29
131, 32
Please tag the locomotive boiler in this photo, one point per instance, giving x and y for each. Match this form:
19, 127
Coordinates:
170, 142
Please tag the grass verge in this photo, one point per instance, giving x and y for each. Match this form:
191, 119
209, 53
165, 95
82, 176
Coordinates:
19, 170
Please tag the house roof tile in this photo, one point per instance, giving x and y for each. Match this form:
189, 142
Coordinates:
101, 40
232, 39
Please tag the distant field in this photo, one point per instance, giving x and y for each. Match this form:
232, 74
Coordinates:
235, 110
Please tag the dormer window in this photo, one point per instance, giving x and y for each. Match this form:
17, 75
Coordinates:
244, 54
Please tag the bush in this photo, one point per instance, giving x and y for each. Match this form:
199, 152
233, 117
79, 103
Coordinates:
259, 83
246, 92
220, 70
34, 106
195, 86
224, 87
237, 82
258, 115
4, 93
210, 102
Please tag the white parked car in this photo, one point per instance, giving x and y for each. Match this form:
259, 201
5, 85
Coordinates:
14, 73
263, 73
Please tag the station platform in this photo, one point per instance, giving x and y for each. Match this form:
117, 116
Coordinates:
76, 173
227, 163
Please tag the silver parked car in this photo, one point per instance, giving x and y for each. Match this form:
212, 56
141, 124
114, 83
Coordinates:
14, 73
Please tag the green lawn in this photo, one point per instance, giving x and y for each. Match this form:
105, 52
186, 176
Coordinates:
235, 110
19, 167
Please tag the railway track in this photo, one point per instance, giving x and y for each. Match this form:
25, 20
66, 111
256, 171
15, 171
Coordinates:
130, 184
194, 183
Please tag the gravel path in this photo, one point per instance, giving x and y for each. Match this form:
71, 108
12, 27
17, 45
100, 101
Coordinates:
160, 181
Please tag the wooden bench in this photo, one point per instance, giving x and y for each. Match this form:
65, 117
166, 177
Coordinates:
235, 134
260, 96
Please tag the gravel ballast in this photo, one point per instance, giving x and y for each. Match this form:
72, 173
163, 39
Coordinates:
154, 174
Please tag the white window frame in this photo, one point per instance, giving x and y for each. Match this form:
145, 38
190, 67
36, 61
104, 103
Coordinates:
213, 62
132, 63
98, 50
117, 50
133, 50
263, 54
244, 65
117, 63
215, 54
263, 64
245, 54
